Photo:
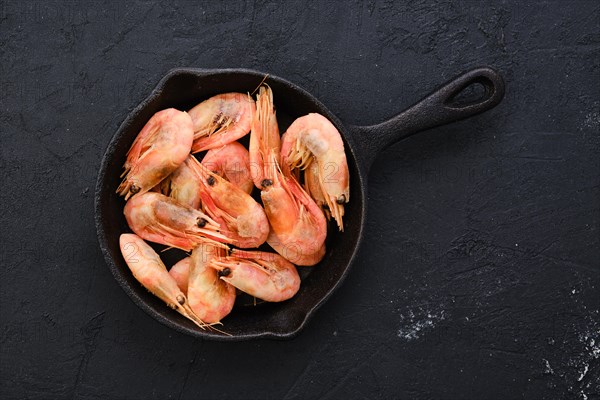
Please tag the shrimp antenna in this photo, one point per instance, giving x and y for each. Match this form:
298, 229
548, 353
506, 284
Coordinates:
260, 84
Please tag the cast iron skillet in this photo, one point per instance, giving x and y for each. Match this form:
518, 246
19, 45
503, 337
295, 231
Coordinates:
184, 88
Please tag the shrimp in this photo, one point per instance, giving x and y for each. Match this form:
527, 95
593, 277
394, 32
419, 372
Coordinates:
222, 119
183, 186
180, 272
298, 226
231, 162
210, 298
313, 139
158, 150
150, 271
240, 217
265, 142
158, 218
267, 276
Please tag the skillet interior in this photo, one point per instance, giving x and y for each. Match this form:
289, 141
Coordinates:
182, 89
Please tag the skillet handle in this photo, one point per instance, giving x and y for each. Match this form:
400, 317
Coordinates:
434, 110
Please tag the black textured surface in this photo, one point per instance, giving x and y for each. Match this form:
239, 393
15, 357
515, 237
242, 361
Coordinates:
479, 273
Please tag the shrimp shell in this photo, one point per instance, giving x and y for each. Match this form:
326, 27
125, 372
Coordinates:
231, 162
149, 270
182, 186
298, 226
221, 119
313, 187
267, 276
158, 150
210, 298
158, 218
314, 139
240, 217
180, 272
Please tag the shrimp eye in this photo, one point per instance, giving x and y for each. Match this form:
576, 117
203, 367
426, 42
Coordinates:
266, 183
134, 189
202, 222
341, 199
211, 180
180, 299
225, 272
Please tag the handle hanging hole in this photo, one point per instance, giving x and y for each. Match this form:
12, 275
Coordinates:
475, 92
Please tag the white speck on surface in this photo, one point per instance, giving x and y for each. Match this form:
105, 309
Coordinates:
415, 323
585, 371
589, 340
548, 369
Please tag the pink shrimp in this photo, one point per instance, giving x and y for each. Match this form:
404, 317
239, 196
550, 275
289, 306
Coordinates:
240, 217
157, 151
158, 218
231, 162
180, 272
210, 298
313, 139
222, 119
183, 186
150, 271
298, 226
267, 276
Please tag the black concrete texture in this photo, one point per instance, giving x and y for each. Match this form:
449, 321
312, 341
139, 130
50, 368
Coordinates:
478, 275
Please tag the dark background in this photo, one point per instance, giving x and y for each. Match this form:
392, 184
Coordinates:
479, 276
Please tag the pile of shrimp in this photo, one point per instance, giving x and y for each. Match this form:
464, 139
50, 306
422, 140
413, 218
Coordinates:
205, 205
